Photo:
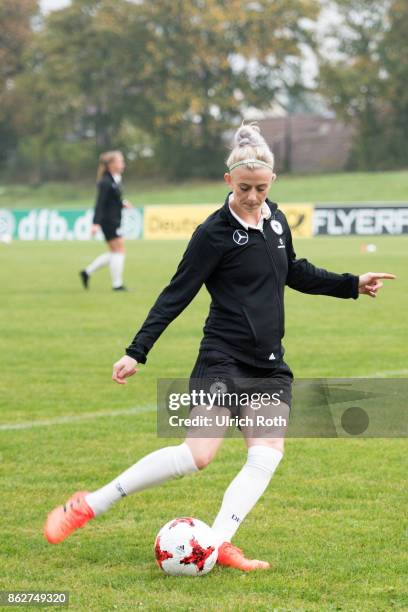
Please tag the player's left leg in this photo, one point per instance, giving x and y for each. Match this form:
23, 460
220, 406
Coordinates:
153, 469
117, 262
264, 455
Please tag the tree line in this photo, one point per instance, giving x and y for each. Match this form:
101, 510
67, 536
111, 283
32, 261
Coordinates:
166, 80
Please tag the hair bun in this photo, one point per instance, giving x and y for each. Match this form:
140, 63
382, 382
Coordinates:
249, 144
248, 135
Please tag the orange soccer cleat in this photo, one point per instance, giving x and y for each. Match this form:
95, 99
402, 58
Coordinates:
63, 520
231, 556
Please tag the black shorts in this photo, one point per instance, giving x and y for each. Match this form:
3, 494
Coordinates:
110, 231
216, 371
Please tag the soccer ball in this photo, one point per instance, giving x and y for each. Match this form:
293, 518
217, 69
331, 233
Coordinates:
6, 238
186, 547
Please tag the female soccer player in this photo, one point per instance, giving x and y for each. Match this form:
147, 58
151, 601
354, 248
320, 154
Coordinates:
244, 255
108, 216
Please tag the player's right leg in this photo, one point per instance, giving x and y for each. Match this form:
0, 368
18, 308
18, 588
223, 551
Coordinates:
265, 450
155, 468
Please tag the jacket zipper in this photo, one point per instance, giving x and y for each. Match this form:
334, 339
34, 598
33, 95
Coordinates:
277, 279
251, 326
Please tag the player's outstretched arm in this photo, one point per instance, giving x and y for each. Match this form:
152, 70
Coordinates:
370, 282
122, 369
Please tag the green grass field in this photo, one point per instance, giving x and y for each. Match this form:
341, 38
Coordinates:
332, 521
340, 187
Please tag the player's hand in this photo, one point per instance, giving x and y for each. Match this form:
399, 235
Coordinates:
370, 282
95, 229
127, 204
125, 367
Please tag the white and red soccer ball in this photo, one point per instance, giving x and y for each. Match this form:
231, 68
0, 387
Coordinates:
186, 547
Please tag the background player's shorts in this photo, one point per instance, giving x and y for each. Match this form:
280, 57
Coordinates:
215, 371
110, 231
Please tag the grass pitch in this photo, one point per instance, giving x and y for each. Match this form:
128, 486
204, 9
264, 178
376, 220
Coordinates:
332, 520
340, 187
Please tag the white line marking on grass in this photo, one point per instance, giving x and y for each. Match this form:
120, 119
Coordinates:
89, 416
73, 418
385, 373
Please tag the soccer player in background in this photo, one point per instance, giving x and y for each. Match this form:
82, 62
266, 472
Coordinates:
108, 217
244, 255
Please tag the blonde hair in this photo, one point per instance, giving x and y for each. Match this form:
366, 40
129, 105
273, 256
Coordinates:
104, 160
249, 147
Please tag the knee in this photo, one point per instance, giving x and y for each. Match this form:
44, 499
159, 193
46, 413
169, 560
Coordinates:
203, 459
203, 452
277, 444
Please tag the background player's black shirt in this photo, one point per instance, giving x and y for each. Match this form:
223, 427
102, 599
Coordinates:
109, 203
245, 272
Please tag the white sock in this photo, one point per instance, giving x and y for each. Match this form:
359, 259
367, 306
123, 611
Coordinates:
99, 262
245, 490
154, 469
117, 263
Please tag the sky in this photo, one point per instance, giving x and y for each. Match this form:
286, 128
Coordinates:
49, 5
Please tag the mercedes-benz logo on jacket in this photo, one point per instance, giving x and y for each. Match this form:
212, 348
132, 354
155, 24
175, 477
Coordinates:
240, 237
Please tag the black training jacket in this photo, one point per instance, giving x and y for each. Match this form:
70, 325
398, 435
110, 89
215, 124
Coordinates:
245, 272
109, 203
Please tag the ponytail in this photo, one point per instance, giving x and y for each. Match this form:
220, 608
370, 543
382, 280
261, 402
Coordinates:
104, 160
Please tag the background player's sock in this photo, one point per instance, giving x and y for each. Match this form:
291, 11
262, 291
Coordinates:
117, 263
99, 262
154, 469
245, 490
